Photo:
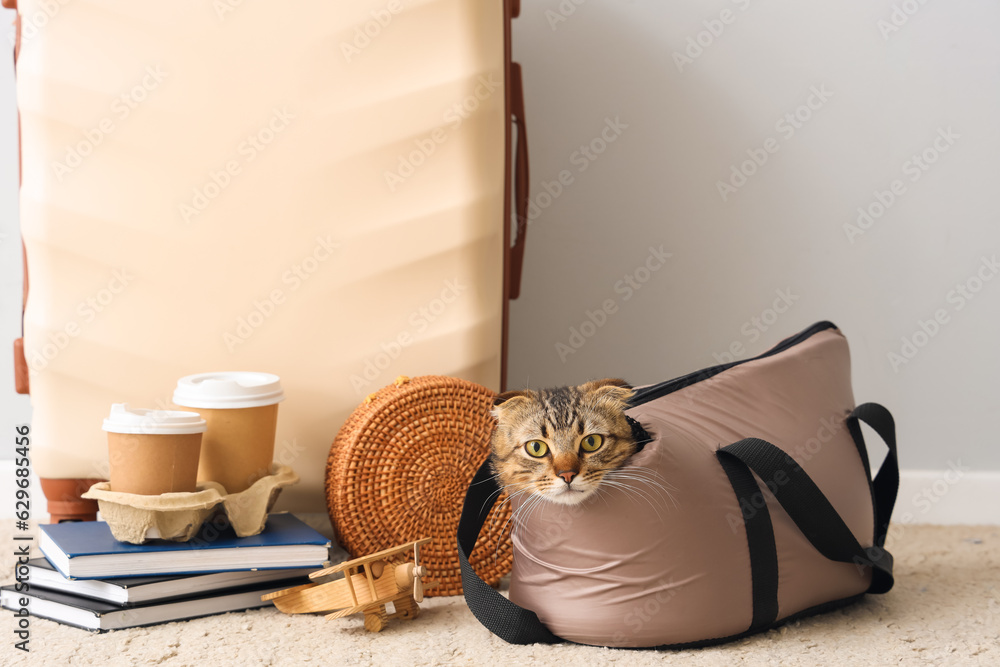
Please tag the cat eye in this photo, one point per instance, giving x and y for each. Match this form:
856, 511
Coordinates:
592, 442
536, 448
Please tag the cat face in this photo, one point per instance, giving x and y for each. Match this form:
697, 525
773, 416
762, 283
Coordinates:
560, 443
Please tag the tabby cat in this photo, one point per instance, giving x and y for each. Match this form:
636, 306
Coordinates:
560, 444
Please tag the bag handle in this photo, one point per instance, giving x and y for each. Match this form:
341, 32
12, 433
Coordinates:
522, 188
811, 510
512, 623
20, 362
885, 484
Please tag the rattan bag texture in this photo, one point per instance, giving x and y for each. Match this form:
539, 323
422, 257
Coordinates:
399, 469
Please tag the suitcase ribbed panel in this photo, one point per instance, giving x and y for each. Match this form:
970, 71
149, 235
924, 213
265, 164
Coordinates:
214, 190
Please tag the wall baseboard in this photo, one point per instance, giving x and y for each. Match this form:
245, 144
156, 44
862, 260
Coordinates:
951, 497
947, 497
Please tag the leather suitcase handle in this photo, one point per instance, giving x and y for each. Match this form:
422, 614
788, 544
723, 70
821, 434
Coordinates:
521, 179
20, 363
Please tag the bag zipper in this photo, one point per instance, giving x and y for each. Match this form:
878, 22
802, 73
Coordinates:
660, 390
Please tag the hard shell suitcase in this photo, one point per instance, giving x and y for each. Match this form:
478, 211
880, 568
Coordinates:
318, 190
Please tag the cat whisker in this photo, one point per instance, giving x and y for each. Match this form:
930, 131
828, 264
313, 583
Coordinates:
600, 495
625, 489
503, 529
500, 491
490, 497
511, 496
633, 493
525, 512
533, 500
646, 475
628, 474
649, 472
483, 481
497, 510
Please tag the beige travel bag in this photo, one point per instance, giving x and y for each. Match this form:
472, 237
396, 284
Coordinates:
767, 511
319, 190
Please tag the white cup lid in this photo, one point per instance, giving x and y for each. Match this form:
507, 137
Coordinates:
124, 419
236, 389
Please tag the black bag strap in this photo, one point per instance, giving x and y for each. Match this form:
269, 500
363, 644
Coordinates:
510, 622
811, 510
885, 484
760, 542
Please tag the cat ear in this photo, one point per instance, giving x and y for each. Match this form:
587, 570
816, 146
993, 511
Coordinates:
607, 382
510, 395
613, 388
507, 400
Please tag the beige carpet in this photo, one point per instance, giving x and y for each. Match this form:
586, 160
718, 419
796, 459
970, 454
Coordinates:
944, 610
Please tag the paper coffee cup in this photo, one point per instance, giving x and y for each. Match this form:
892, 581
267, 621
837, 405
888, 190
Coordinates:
241, 409
153, 451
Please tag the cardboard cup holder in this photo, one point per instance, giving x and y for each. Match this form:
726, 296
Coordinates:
178, 517
247, 510
137, 518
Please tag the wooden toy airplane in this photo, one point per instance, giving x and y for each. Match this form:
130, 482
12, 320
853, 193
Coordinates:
369, 585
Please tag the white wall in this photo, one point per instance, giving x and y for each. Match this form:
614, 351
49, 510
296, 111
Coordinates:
783, 230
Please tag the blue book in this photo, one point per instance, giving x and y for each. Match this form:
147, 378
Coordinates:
87, 550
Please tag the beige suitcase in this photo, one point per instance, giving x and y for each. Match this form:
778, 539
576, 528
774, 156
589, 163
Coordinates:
314, 189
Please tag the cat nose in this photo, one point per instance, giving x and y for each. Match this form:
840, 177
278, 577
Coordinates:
567, 475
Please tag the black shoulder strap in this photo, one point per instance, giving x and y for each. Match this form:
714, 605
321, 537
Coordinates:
502, 617
811, 510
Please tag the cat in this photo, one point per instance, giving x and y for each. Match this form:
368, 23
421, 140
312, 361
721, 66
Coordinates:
561, 444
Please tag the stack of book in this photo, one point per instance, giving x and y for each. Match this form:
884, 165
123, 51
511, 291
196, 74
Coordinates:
90, 580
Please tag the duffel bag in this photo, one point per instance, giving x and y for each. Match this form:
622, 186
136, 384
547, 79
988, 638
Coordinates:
757, 505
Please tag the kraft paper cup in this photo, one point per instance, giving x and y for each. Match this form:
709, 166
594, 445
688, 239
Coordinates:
241, 410
153, 451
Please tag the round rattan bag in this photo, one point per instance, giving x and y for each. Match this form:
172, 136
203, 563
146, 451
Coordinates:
398, 471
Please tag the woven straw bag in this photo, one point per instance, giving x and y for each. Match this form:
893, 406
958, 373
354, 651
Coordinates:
399, 469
